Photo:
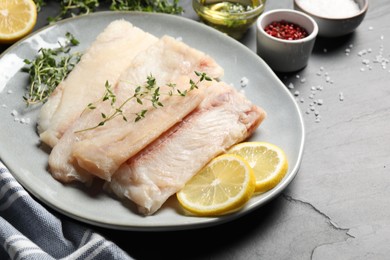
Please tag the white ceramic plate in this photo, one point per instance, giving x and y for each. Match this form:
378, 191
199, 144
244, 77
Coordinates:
20, 149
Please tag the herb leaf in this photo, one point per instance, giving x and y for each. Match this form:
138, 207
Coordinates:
150, 92
48, 69
70, 8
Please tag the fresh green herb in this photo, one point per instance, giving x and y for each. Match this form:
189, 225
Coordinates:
39, 4
70, 8
48, 69
149, 92
74, 8
162, 6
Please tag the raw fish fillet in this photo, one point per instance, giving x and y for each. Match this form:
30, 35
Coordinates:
109, 55
100, 152
224, 118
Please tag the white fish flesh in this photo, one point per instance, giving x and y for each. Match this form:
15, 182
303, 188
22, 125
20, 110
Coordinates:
100, 152
224, 118
108, 56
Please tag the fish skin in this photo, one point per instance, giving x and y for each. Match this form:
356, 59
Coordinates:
65, 159
109, 55
224, 118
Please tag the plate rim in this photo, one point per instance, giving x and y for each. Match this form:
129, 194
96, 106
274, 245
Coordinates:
210, 221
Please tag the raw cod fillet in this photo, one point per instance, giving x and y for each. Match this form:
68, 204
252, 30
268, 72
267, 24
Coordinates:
109, 55
100, 152
224, 118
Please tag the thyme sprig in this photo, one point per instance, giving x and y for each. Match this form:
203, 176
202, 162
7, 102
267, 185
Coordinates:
48, 69
74, 8
71, 8
161, 6
149, 92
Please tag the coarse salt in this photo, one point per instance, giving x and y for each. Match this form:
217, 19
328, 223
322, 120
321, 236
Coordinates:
331, 8
244, 82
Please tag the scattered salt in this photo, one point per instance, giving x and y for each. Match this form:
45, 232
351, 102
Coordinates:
330, 8
14, 112
341, 96
9, 91
25, 121
290, 85
296, 93
244, 81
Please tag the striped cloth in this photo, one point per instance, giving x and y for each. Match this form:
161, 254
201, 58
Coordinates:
30, 231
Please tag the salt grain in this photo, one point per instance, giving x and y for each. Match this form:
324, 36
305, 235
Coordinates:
14, 112
244, 82
290, 85
9, 91
341, 96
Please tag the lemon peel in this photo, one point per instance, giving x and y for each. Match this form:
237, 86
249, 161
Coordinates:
223, 186
268, 161
17, 19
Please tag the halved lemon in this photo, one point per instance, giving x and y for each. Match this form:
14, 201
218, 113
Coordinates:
17, 19
268, 161
223, 186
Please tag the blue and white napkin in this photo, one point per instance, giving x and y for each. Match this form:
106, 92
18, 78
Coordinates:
30, 231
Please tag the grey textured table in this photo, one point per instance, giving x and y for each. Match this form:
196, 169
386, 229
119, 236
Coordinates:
338, 205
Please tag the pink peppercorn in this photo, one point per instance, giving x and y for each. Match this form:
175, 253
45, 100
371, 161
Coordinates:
285, 30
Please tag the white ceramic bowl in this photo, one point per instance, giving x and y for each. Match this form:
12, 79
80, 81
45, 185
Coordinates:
335, 27
285, 55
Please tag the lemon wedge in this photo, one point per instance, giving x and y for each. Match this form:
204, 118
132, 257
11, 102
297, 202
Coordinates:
17, 19
223, 186
268, 161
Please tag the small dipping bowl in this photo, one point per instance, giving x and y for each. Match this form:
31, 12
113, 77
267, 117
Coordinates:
233, 17
336, 25
280, 54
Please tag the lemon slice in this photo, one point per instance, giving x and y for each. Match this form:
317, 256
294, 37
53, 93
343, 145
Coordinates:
223, 186
268, 161
17, 19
